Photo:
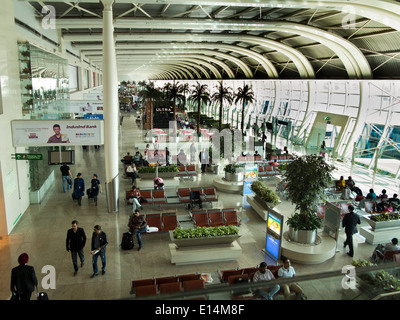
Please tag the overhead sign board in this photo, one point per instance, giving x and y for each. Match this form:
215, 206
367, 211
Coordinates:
28, 156
27, 133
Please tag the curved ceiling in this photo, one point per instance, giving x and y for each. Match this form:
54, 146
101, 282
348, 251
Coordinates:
191, 39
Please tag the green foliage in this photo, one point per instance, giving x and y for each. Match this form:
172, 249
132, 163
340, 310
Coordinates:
385, 216
171, 168
307, 178
264, 192
231, 168
362, 263
304, 221
205, 232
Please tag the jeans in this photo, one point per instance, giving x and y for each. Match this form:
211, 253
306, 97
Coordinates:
74, 255
268, 293
102, 255
135, 203
138, 232
65, 179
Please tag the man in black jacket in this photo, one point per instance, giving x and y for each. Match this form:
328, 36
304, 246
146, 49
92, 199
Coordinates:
349, 223
76, 240
99, 243
23, 279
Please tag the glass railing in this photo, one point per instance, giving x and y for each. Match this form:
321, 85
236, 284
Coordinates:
377, 282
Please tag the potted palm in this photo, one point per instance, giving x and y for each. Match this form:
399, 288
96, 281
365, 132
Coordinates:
307, 178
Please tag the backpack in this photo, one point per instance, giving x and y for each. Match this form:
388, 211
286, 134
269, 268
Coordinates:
127, 241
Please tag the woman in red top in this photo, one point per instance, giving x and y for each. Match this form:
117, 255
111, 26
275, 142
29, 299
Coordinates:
135, 196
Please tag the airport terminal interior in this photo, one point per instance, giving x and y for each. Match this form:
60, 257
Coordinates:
320, 73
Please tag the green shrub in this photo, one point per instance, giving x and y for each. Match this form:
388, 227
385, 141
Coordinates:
205, 232
264, 192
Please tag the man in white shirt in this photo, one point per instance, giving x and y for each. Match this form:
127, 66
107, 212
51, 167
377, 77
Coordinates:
263, 274
287, 271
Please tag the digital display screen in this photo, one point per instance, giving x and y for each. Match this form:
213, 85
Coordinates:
274, 224
57, 157
272, 246
251, 173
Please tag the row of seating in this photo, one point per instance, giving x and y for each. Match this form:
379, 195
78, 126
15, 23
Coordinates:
187, 171
215, 217
185, 195
279, 157
230, 276
207, 194
249, 159
177, 283
268, 170
163, 221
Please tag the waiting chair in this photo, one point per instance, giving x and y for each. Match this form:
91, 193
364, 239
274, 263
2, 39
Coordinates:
231, 218
148, 290
201, 219
216, 218
154, 220
170, 287
143, 282
225, 274
169, 220
193, 285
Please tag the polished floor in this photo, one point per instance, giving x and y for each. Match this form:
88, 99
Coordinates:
41, 232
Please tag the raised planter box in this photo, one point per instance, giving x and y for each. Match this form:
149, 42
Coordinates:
377, 225
235, 177
265, 205
210, 241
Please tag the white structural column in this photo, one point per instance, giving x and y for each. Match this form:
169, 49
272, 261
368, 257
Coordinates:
111, 108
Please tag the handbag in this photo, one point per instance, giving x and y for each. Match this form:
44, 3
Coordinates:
142, 200
69, 181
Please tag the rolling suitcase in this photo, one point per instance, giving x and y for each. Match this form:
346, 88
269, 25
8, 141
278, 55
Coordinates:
89, 193
127, 241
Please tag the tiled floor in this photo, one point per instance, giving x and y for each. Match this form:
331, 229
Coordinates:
41, 233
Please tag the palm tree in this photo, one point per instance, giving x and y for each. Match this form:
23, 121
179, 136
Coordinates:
200, 95
244, 95
174, 92
222, 94
150, 94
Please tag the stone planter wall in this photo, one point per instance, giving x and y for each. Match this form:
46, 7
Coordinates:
376, 225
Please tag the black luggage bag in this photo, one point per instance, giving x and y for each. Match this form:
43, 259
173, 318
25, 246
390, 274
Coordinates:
127, 241
89, 193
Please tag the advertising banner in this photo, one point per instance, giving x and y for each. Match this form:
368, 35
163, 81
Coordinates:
274, 235
85, 106
27, 133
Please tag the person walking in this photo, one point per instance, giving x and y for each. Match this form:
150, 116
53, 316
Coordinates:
99, 243
79, 188
23, 279
96, 187
76, 240
137, 225
203, 156
349, 223
66, 176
